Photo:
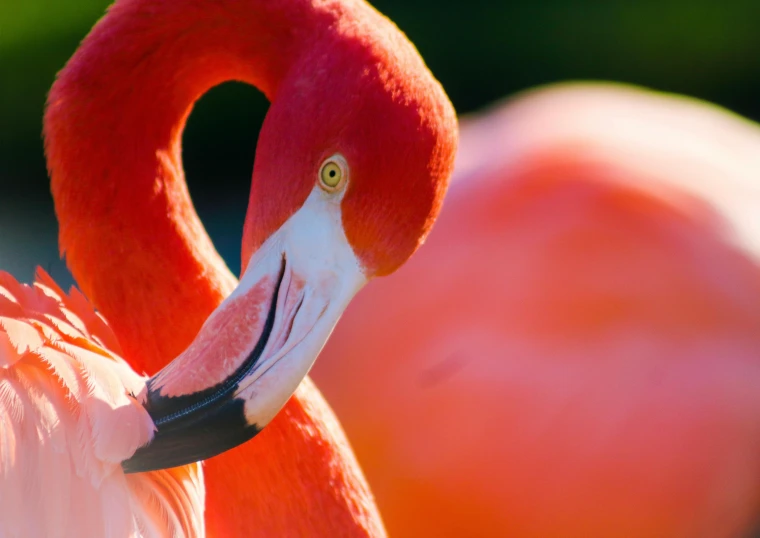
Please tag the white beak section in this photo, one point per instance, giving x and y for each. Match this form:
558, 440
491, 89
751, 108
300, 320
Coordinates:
254, 350
321, 277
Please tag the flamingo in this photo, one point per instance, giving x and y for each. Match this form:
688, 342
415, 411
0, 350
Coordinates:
577, 350
352, 164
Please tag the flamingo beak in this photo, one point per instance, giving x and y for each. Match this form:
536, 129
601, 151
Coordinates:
254, 350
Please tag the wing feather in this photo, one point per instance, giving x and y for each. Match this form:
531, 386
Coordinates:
68, 417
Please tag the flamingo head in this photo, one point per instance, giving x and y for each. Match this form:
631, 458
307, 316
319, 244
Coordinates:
352, 164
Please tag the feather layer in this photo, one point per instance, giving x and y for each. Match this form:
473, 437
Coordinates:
68, 417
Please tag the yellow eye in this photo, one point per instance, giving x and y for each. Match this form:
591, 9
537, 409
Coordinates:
333, 172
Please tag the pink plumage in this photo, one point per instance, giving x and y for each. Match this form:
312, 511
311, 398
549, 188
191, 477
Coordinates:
67, 420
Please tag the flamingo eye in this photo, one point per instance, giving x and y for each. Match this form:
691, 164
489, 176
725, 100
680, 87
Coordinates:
333, 173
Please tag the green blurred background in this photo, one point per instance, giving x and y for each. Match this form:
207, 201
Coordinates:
480, 50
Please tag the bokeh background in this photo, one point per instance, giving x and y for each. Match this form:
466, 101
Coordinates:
481, 50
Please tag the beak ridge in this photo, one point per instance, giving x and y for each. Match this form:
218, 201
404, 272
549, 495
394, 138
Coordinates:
199, 425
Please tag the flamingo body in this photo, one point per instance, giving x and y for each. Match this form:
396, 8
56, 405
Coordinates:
68, 419
576, 350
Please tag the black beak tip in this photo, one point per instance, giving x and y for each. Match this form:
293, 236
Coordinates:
193, 438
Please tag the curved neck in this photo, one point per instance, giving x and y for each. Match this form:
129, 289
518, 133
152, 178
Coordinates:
137, 249
113, 132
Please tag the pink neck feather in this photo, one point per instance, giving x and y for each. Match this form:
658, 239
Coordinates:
113, 132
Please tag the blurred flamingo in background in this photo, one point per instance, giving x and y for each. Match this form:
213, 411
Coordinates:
352, 164
576, 350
